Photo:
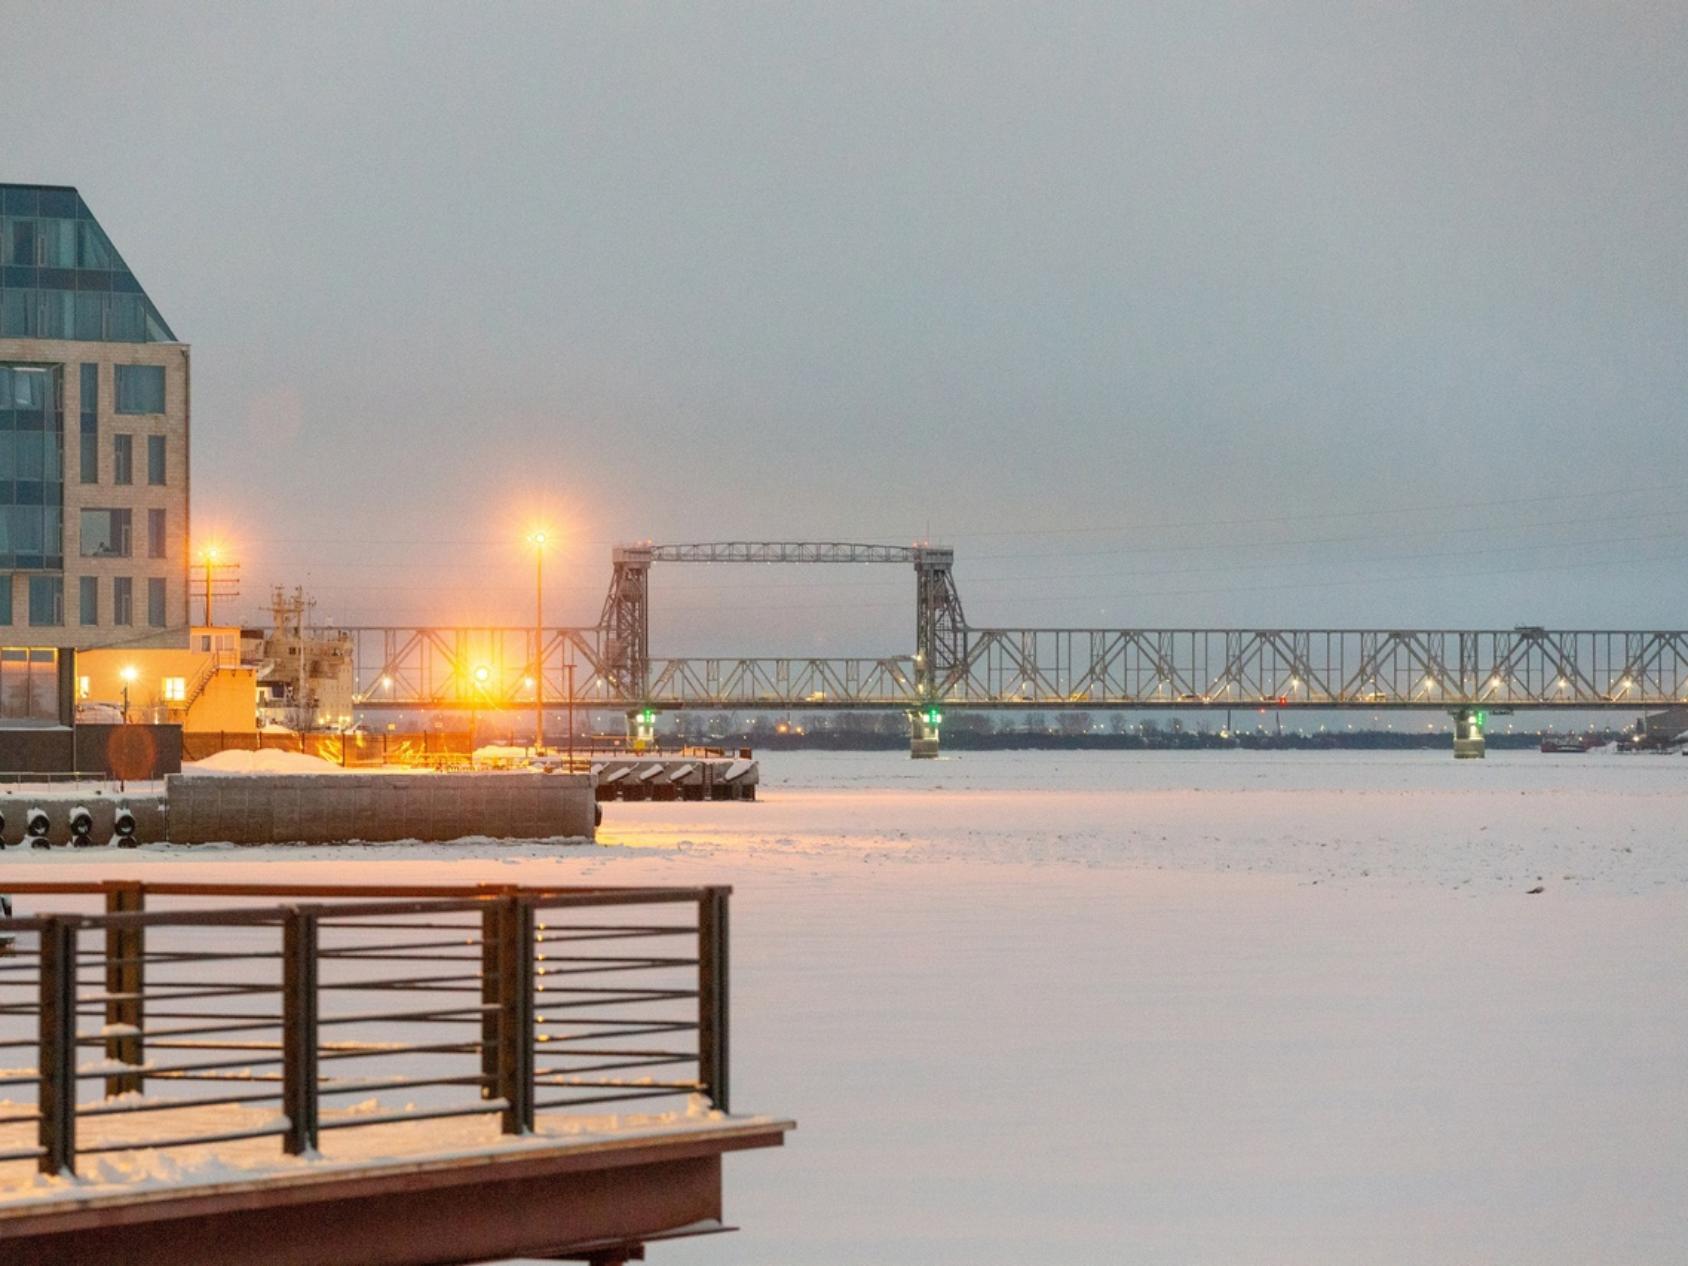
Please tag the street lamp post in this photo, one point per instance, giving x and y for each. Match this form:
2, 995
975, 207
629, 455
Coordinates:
128, 674
538, 539
570, 669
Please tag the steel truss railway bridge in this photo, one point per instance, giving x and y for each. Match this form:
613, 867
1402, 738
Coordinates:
953, 664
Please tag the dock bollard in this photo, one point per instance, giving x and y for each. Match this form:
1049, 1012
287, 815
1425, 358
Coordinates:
81, 827
123, 828
35, 827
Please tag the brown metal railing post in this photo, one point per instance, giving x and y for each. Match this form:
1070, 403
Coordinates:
299, 1029
712, 964
492, 940
57, 1055
513, 1074
125, 981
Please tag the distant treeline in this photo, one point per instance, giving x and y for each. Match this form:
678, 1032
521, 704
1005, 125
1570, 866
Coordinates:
1016, 740
1065, 732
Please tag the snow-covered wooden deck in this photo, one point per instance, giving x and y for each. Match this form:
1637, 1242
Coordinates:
594, 1193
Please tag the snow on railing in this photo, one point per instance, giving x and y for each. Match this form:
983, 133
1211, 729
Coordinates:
240, 1022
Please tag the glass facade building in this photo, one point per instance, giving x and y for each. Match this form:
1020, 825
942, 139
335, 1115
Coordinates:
94, 424
60, 276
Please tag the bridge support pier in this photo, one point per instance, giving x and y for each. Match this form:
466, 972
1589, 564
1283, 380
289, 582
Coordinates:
1468, 734
923, 733
641, 730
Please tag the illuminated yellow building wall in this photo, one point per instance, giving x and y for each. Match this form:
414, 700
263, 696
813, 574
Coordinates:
185, 687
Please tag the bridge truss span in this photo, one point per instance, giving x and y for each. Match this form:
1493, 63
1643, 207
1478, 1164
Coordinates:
1316, 668
783, 552
954, 664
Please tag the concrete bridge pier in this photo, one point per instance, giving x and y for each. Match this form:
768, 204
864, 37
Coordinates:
1468, 733
923, 733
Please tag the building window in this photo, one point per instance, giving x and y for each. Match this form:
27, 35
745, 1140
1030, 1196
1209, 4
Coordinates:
107, 533
140, 389
88, 599
31, 467
155, 602
84, 687
175, 689
90, 430
29, 683
155, 534
90, 316
155, 460
46, 601
5, 599
123, 459
122, 600
20, 243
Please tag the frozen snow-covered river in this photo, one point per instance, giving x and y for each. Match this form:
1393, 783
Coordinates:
1167, 1007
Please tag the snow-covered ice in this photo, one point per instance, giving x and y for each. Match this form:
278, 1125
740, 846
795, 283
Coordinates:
1166, 1007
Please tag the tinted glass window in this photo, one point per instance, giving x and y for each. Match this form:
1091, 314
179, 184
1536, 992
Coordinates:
5, 599
140, 389
90, 316
58, 243
107, 533
59, 202
55, 314
123, 459
128, 318
155, 602
155, 460
88, 600
14, 313
95, 251
20, 242
122, 600
46, 601
156, 539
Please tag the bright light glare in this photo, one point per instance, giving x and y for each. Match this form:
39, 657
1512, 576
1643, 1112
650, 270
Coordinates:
129, 672
482, 673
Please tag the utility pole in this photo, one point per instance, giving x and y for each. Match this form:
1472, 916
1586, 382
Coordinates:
221, 578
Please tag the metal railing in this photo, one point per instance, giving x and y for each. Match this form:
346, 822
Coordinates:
267, 1016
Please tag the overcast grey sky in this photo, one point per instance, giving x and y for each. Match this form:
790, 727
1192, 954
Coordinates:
1161, 313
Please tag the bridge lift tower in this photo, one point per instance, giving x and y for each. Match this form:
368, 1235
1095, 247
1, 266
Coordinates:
940, 635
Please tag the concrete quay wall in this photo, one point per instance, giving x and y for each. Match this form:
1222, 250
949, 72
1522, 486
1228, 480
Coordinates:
334, 808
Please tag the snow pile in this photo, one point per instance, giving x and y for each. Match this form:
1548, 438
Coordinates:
266, 761
502, 754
